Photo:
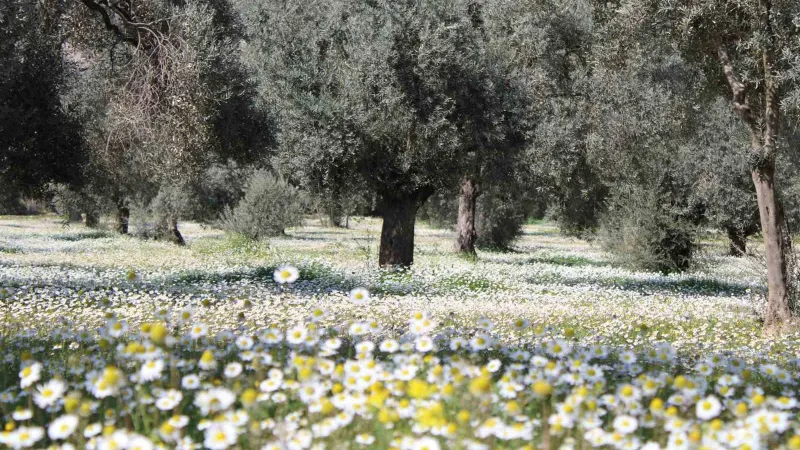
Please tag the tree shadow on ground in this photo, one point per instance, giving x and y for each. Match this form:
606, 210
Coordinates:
566, 261
665, 286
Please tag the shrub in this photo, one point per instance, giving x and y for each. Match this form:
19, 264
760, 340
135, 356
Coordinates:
499, 219
71, 203
268, 207
648, 229
221, 186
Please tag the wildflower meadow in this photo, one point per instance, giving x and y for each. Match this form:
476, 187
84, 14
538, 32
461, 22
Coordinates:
111, 342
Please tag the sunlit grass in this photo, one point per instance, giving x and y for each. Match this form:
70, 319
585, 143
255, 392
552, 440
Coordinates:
81, 301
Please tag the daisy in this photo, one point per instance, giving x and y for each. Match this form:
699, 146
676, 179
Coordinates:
49, 393
479, 342
151, 370
233, 370
190, 382
26, 437
198, 330
426, 443
625, 424
708, 408
30, 374
139, 442
389, 346
214, 400
494, 365
365, 439
169, 399
92, 430
359, 296
296, 335
22, 414
220, 435
117, 328
244, 342
424, 344
318, 314
286, 274
62, 427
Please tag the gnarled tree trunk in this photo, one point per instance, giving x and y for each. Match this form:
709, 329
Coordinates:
465, 228
397, 232
123, 219
171, 232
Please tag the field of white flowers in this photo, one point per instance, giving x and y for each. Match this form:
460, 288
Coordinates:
111, 342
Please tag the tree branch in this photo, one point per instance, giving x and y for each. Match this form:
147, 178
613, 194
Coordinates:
739, 90
96, 7
771, 101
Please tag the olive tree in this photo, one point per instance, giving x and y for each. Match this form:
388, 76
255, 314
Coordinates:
169, 98
40, 140
748, 49
390, 93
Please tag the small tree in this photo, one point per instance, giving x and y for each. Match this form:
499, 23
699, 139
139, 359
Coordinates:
649, 227
269, 206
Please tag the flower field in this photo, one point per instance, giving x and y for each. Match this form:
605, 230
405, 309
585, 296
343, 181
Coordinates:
110, 342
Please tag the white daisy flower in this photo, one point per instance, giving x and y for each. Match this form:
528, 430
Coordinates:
359, 296
30, 374
62, 427
708, 408
286, 274
625, 424
49, 393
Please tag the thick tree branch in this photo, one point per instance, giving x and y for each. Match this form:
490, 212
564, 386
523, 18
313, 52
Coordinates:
741, 105
771, 100
96, 7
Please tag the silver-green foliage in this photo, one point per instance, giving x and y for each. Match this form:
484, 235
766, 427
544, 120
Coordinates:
393, 92
269, 206
648, 228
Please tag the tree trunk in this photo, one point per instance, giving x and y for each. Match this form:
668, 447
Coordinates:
778, 313
397, 232
171, 232
738, 241
764, 130
92, 219
123, 219
75, 217
465, 228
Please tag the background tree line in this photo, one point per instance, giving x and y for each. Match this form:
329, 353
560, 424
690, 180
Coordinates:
637, 122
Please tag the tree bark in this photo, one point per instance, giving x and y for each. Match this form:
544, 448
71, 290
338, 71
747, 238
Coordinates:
171, 232
397, 232
738, 242
763, 131
465, 228
772, 223
778, 312
123, 219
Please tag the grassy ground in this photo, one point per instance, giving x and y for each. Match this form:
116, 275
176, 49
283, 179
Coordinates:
549, 280
83, 304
